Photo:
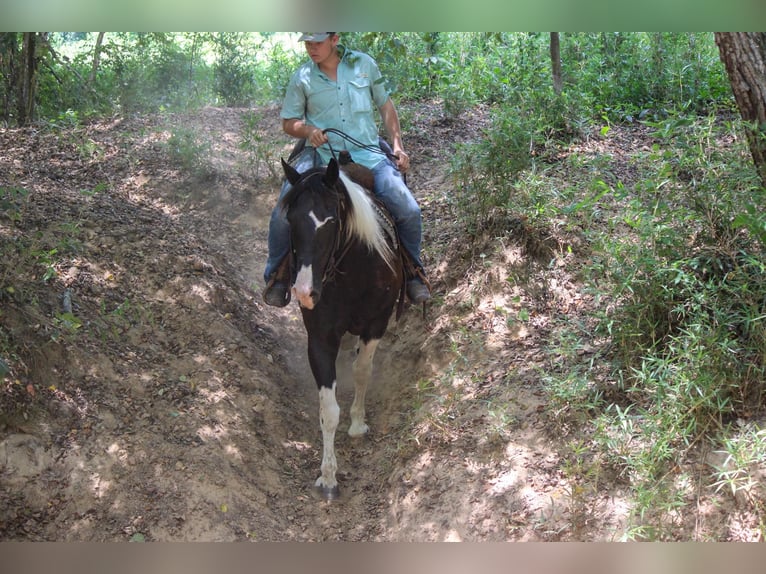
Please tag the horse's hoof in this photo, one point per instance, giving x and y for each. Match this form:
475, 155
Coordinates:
358, 430
328, 492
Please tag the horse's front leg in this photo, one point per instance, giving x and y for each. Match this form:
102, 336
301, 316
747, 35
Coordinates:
362, 369
322, 357
329, 415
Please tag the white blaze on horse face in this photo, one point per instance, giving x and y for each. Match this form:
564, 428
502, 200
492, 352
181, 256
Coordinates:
317, 222
329, 415
304, 285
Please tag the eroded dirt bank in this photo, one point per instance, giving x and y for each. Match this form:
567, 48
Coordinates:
172, 404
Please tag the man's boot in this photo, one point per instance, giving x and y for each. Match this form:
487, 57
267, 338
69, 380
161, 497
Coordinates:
418, 287
417, 291
277, 291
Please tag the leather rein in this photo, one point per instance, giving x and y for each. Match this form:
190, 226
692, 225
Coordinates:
372, 148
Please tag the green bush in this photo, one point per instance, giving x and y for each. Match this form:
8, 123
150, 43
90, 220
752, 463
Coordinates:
188, 151
683, 316
494, 176
233, 76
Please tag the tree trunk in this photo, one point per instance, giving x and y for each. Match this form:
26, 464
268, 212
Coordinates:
9, 66
744, 55
558, 82
658, 83
28, 83
96, 58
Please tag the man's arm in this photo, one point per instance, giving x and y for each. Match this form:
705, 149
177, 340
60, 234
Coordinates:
394, 131
298, 128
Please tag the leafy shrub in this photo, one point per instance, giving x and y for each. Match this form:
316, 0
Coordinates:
233, 75
521, 136
684, 316
186, 149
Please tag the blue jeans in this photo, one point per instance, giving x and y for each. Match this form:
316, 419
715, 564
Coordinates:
389, 188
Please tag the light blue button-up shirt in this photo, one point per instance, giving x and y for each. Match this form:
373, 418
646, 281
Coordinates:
345, 104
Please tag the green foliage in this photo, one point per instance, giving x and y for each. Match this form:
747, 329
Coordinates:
616, 76
272, 68
187, 150
65, 325
681, 272
630, 75
261, 151
233, 80
152, 72
743, 449
753, 220
495, 175
46, 259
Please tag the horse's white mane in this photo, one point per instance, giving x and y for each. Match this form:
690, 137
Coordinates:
363, 221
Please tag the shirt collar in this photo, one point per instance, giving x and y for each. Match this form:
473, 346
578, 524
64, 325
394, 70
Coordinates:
343, 53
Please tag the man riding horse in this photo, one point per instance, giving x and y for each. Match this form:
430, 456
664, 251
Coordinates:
333, 95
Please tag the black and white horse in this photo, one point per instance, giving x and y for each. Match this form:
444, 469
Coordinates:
347, 277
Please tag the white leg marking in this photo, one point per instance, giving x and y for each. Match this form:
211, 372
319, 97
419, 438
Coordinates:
362, 374
329, 415
303, 286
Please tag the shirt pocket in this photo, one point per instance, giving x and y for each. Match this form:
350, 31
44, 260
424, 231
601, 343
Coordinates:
359, 96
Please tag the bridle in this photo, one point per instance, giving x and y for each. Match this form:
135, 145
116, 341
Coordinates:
339, 251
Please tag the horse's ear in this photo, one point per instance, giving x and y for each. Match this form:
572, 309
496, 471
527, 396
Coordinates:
290, 172
331, 175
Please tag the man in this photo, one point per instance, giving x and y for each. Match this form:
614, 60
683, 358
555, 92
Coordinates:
340, 88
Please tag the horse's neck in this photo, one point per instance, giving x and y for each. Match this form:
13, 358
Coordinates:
364, 177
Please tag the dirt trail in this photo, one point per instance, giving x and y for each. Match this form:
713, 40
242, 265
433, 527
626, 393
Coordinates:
180, 407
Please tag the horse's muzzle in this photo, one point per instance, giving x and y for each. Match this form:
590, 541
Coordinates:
307, 300
303, 289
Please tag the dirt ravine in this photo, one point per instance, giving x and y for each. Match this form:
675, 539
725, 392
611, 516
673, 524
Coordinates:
178, 406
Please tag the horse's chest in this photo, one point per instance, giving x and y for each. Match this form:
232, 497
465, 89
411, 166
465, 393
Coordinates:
355, 311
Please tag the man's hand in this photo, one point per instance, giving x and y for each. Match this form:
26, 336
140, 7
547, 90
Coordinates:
402, 160
298, 128
316, 138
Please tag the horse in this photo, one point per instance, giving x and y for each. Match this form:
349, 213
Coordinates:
347, 276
